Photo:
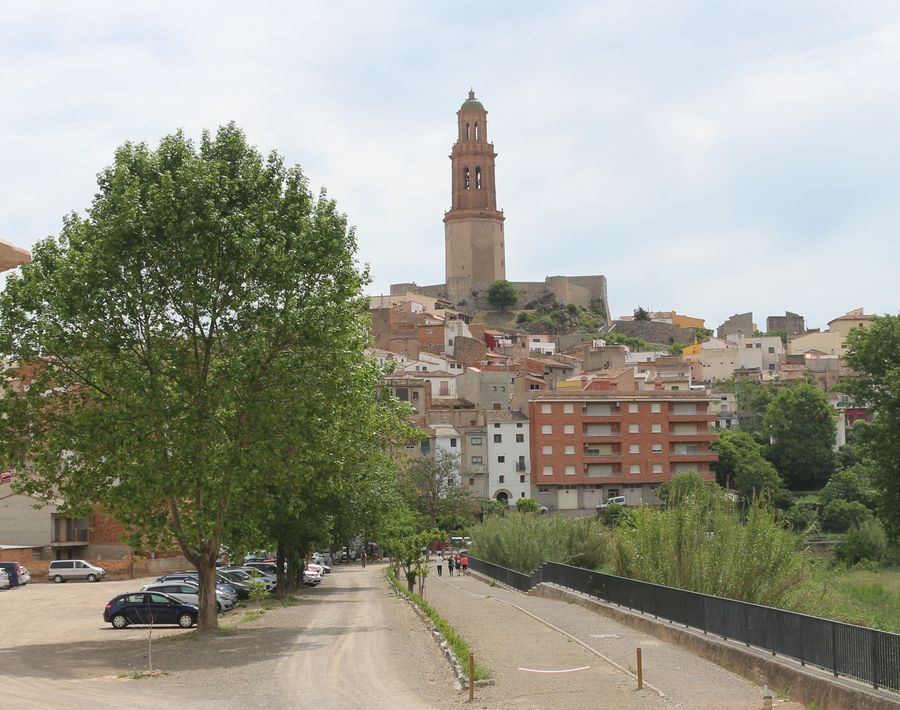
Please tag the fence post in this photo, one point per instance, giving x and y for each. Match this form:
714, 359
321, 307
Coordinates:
834, 648
874, 635
640, 670
802, 643
471, 676
747, 624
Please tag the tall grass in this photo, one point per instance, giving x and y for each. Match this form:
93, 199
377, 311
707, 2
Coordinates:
523, 541
710, 549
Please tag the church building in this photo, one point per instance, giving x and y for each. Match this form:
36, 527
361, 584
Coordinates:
474, 237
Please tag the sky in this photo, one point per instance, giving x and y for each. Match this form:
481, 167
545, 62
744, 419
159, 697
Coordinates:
707, 157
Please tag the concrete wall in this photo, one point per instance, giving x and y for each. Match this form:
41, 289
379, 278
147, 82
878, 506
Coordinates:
20, 523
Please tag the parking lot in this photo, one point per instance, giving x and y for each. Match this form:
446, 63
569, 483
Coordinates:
58, 630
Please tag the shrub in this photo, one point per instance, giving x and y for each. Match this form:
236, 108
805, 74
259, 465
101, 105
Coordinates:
707, 548
840, 515
523, 542
615, 515
527, 505
866, 541
257, 591
803, 513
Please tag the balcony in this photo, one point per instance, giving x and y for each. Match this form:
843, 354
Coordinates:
705, 436
70, 537
694, 456
520, 466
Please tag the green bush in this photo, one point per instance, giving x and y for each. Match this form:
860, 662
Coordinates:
866, 541
841, 515
522, 541
803, 513
527, 505
615, 515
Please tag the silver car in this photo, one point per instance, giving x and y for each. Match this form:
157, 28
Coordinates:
64, 570
4, 579
189, 593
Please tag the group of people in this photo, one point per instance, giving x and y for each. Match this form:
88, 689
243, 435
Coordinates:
459, 562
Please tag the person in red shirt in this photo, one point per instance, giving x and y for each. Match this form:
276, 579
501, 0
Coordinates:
464, 561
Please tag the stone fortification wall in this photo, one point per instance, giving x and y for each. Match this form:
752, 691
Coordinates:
653, 332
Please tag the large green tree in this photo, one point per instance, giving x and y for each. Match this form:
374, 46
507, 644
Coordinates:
799, 424
873, 353
742, 465
502, 294
181, 342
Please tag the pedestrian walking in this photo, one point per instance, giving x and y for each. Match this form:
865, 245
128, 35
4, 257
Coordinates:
439, 561
450, 562
465, 563
458, 565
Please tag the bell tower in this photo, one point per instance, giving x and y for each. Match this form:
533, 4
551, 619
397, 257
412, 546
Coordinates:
473, 227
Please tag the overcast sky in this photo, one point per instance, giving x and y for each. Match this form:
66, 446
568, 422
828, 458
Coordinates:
707, 157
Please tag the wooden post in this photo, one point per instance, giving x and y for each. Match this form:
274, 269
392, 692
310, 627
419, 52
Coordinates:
640, 671
471, 676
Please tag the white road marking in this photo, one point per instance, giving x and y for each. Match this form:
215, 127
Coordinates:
566, 670
604, 636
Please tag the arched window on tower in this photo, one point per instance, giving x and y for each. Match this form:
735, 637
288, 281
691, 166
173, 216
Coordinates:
476, 131
477, 178
466, 178
467, 131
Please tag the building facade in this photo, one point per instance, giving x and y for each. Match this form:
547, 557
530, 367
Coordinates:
509, 456
589, 446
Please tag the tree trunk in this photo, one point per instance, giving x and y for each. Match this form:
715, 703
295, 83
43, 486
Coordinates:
282, 577
207, 619
411, 581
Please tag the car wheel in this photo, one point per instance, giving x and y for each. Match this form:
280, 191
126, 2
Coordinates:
119, 621
185, 621
92, 578
219, 607
58, 579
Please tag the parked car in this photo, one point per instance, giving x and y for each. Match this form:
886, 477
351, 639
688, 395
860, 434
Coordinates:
188, 592
64, 570
321, 569
4, 580
149, 608
264, 567
254, 575
240, 590
12, 573
311, 578
24, 575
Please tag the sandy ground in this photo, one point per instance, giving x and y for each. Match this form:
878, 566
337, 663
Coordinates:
349, 643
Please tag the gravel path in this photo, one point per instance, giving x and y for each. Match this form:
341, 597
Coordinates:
508, 641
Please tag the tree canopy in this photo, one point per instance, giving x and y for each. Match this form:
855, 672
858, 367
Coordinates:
502, 294
190, 347
799, 423
873, 353
742, 464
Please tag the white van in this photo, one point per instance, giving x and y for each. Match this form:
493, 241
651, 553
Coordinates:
618, 500
64, 570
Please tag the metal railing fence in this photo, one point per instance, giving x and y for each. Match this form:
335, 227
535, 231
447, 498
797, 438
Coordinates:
869, 655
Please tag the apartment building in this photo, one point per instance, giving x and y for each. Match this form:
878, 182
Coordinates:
589, 446
508, 456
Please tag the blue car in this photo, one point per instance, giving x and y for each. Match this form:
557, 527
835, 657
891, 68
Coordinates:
149, 608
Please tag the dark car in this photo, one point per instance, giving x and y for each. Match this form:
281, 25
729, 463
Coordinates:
149, 608
12, 571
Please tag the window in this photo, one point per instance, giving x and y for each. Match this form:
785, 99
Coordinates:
522, 479
656, 428
569, 429
468, 132
477, 460
635, 468
634, 428
466, 178
475, 441
503, 388
519, 425
520, 438
476, 131
501, 459
498, 438
657, 468
546, 428
634, 448
500, 479
543, 490
471, 481
569, 450
533, 386
772, 350
452, 443
546, 408
568, 408
655, 408
771, 366
548, 470
477, 178
632, 407
547, 450
496, 426
570, 470
415, 396
656, 448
